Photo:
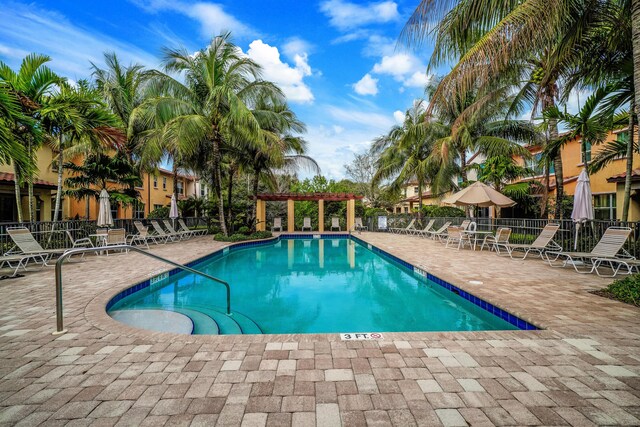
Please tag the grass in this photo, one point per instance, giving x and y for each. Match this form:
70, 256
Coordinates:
626, 290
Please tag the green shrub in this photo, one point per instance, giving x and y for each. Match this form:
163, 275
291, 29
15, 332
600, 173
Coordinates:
258, 235
244, 230
160, 213
434, 211
625, 290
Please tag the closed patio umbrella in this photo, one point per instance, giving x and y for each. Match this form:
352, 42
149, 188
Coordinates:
479, 194
173, 212
104, 210
582, 203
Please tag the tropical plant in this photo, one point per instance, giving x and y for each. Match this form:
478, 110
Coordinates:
500, 172
28, 87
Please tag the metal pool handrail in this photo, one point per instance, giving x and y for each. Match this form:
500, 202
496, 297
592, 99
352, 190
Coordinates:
59, 310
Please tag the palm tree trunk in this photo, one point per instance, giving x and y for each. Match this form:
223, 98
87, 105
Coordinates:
217, 184
627, 179
175, 179
87, 207
232, 172
16, 176
419, 199
30, 186
548, 102
255, 197
635, 39
59, 187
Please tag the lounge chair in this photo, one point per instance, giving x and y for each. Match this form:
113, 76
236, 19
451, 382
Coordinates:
608, 247
163, 234
408, 228
183, 234
143, 236
440, 233
116, 236
83, 242
425, 230
306, 223
543, 243
500, 239
21, 261
195, 231
28, 245
277, 224
456, 234
615, 264
358, 225
335, 223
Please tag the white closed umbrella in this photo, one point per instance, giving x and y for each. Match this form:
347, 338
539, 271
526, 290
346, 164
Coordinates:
173, 212
104, 210
582, 203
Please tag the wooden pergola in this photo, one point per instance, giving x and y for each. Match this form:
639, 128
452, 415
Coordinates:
307, 197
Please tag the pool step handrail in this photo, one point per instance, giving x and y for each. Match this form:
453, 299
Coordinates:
59, 306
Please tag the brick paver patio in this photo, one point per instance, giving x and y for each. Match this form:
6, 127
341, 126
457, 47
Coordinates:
583, 369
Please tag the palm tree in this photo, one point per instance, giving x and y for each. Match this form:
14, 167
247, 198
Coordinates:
29, 85
207, 110
78, 122
10, 113
405, 151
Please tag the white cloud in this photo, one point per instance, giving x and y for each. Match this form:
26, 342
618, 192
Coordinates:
211, 16
296, 46
375, 121
404, 68
345, 15
367, 85
30, 29
290, 79
398, 116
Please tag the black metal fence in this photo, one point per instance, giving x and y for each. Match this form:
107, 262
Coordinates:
53, 235
571, 236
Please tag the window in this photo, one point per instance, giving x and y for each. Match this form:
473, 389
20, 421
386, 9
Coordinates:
164, 183
406, 209
623, 137
138, 210
180, 187
155, 182
203, 190
604, 206
415, 190
157, 207
587, 153
114, 211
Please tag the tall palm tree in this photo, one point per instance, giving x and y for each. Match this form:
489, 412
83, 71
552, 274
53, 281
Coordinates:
29, 85
209, 108
10, 114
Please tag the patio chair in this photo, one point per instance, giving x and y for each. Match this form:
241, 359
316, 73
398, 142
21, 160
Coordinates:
465, 224
196, 231
608, 247
359, 226
543, 242
335, 223
399, 230
425, 230
306, 223
440, 232
163, 234
116, 236
277, 224
143, 236
28, 245
183, 234
83, 242
455, 234
616, 264
22, 260
500, 239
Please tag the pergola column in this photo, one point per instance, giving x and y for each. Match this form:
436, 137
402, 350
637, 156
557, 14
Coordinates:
261, 215
320, 215
291, 216
351, 213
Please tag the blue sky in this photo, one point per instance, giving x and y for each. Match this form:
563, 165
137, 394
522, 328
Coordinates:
336, 60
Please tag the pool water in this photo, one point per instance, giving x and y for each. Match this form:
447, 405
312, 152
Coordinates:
312, 286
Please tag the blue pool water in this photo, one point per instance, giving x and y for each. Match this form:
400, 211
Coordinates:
311, 286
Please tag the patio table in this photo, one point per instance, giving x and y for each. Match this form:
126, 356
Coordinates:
477, 235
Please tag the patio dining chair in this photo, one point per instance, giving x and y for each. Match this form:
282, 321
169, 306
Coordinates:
335, 223
456, 235
277, 224
115, 237
306, 223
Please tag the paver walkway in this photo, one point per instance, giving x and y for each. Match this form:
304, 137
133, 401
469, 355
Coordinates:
583, 369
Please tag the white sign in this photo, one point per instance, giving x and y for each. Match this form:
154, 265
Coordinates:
159, 278
382, 223
361, 336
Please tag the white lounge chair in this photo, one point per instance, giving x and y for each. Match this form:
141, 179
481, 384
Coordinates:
277, 224
195, 231
83, 242
608, 247
143, 236
408, 228
21, 261
28, 245
163, 234
501, 239
543, 243
359, 226
615, 264
425, 230
440, 233
306, 223
335, 223
183, 234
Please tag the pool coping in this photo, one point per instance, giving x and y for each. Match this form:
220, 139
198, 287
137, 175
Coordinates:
519, 321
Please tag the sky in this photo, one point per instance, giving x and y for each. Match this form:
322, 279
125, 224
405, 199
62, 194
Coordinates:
337, 61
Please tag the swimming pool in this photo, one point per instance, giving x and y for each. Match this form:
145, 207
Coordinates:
319, 285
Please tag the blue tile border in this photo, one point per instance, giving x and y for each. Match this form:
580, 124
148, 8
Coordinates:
496, 311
